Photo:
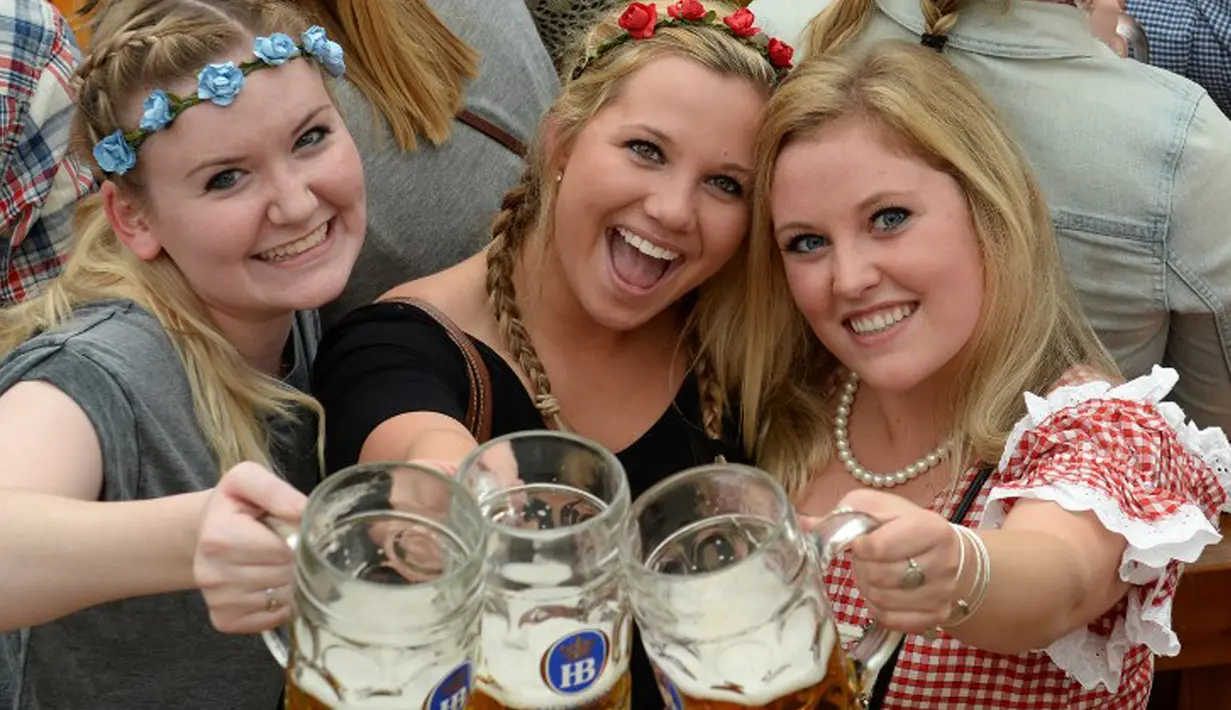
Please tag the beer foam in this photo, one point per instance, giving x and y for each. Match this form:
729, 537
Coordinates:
766, 661
720, 604
512, 666
540, 573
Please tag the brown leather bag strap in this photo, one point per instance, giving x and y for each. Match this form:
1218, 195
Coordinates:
491, 130
479, 408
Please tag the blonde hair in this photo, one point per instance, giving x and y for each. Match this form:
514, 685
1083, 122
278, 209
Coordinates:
526, 209
840, 24
140, 44
1030, 331
404, 60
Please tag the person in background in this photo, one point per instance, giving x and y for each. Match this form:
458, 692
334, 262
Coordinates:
440, 95
913, 351
1135, 164
1191, 38
41, 180
790, 15
176, 345
582, 308
561, 22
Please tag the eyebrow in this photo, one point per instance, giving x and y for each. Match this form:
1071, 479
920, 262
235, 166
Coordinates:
881, 196
231, 160
796, 226
663, 137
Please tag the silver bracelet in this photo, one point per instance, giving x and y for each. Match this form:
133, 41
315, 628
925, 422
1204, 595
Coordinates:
965, 607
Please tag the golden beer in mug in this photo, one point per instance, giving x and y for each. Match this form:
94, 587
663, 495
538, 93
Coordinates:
729, 595
388, 583
830, 687
556, 627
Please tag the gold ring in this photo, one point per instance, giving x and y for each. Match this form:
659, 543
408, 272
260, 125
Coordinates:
271, 601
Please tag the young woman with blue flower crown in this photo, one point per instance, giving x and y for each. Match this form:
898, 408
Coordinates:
175, 346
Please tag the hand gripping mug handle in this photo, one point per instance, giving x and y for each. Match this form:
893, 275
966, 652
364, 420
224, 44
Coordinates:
833, 534
278, 647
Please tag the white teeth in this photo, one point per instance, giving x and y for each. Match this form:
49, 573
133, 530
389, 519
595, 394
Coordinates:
645, 247
875, 322
296, 247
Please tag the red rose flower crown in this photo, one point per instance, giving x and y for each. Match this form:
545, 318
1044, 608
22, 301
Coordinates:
641, 20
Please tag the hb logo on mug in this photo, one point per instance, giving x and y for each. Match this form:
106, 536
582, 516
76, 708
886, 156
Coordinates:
573, 663
452, 692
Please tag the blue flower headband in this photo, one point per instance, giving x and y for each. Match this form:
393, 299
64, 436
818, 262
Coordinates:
219, 83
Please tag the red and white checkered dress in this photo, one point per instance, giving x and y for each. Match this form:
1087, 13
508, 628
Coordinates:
1148, 475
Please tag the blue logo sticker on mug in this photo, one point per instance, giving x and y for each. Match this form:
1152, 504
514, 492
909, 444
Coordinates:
452, 692
574, 662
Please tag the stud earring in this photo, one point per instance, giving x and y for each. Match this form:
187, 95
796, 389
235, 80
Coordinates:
559, 176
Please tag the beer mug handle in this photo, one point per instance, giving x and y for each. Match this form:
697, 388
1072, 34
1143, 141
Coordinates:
483, 482
274, 639
833, 534
1130, 31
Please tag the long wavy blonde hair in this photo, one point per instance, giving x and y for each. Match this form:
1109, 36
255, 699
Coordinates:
139, 44
527, 208
1030, 331
406, 62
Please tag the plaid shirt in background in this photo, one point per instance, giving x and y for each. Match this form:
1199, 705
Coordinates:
40, 183
1191, 38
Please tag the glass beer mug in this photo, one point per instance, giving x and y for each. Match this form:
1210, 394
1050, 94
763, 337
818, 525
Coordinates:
729, 594
388, 582
556, 629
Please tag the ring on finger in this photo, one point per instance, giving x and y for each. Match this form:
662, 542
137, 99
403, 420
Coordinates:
913, 577
271, 599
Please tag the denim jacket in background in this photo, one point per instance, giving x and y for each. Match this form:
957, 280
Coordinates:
1135, 163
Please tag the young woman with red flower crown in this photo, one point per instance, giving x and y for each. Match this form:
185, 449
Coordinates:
582, 307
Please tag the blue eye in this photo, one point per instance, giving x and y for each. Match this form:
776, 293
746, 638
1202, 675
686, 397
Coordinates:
727, 184
890, 218
645, 150
806, 243
312, 137
224, 180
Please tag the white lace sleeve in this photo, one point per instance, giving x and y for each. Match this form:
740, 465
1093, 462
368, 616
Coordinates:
1146, 473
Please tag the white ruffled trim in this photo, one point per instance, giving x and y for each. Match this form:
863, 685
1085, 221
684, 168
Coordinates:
1089, 658
1209, 444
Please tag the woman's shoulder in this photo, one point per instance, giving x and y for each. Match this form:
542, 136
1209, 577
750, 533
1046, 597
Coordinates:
118, 336
1082, 374
402, 323
458, 292
1087, 412
423, 322
1094, 396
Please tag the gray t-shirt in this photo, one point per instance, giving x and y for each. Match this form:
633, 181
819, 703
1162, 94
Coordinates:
432, 208
157, 652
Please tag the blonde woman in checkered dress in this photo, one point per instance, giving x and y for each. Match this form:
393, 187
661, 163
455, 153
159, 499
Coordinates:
904, 299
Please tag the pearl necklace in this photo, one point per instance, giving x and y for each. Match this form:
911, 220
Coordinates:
847, 457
